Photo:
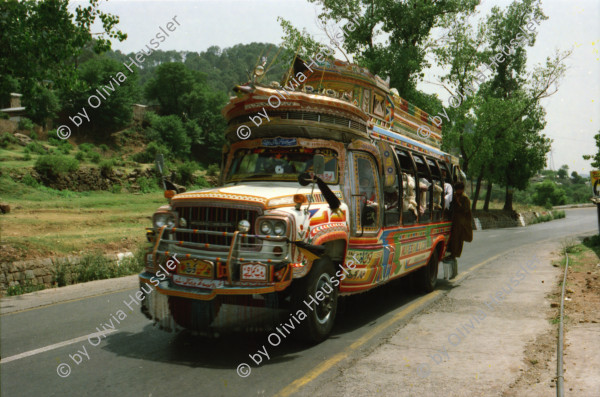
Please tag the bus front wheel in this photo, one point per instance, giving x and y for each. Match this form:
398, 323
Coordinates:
315, 295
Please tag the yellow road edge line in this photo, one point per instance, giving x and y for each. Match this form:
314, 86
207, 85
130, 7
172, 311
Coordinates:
294, 386
314, 373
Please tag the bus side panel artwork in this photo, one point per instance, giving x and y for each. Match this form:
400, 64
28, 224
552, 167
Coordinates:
404, 250
366, 266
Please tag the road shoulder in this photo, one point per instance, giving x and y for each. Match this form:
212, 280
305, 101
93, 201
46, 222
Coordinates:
471, 342
52, 296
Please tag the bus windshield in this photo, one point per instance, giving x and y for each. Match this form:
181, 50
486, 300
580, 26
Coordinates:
280, 164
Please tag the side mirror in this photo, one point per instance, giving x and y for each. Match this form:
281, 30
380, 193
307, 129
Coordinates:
318, 164
304, 179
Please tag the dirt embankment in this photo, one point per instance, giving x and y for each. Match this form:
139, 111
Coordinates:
86, 179
582, 323
582, 332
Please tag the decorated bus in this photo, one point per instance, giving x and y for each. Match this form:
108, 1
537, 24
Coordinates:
328, 187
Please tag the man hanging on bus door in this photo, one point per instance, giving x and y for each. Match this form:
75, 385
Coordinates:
462, 229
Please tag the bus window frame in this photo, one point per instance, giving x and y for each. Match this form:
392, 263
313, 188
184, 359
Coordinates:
437, 214
357, 229
413, 173
429, 209
398, 191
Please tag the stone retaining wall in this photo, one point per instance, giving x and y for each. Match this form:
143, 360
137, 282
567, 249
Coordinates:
9, 126
38, 271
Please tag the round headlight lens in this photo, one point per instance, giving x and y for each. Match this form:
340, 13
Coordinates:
279, 228
266, 228
161, 220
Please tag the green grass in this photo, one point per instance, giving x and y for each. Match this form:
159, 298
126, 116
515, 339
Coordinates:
24, 287
45, 222
555, 320
549, 217
95, 266
12, 158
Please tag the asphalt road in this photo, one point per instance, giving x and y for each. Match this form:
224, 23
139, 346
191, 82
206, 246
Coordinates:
139, 360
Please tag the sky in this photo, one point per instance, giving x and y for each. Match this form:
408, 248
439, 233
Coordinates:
573, 113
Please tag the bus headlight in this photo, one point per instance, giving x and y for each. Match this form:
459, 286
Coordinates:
273, 227
279, 228
163, 219
266, 227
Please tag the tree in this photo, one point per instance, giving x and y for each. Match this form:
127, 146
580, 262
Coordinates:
171, 132
596, 157
577, 179
406, 26
183, 92
102, 73
171, 82
548, 193
463, 55
563, 172
40, 44
203, 106
507, 110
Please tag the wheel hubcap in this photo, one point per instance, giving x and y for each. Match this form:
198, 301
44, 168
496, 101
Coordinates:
323, 310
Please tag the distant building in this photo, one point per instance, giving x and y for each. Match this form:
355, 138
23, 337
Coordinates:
15, 111
138, 112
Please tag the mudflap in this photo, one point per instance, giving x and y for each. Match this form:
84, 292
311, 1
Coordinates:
155, 306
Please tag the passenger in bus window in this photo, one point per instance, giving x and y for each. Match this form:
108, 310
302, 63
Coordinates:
447, 191
462, 229
424, 188
437, 195
409, 199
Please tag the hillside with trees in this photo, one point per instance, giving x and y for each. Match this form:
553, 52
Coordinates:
496, 128
58, 56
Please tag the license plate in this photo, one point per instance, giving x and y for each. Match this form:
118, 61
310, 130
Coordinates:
196, 267
254, 271
197, 282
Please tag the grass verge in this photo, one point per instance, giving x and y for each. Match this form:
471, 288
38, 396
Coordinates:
44, 222
549, 217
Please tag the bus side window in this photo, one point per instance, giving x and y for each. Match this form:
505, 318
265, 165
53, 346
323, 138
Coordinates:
391, 200
366, 193
408, 185
425, 188
438, 188
448, 190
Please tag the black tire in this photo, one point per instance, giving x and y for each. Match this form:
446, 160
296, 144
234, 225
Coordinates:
427, 276
318, 323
